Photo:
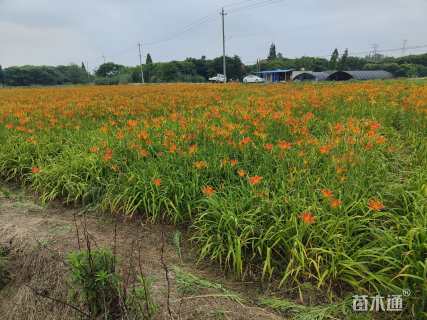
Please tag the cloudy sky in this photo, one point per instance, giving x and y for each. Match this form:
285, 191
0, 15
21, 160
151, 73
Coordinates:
47, 32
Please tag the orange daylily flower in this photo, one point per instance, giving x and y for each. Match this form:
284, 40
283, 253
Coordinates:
132, 123
284, 145
338, 128
325, 149
208, 191
268, 146
172, 148
327, 193
143, 153
35, 170
157, 182
234, 162
335, 203
143, 135
93, 149
376, 205
245, 141
241, 172
375, 126
255, 180
108, 154
307, 217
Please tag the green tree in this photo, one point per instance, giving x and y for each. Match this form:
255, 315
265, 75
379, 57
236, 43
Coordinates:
342, 63
235, 67
420, 59
167, 72
309, 63
149, 60
33, 75
1, 77
334, 60
73, 74
272, 53
201, 66
109, 69
355, 63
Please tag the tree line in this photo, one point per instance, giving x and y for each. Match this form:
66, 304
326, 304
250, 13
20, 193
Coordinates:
407, 66
200, 69
189, 70
44, 75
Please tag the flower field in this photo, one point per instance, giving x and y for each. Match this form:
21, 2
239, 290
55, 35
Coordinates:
302, 183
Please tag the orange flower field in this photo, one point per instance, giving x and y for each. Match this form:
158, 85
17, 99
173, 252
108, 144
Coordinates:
323, 184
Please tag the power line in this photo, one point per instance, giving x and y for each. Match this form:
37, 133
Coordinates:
209, 18
189, 27
369, 52
243, 5
238, 3
252, 4
256, 5
186, 29
389, 50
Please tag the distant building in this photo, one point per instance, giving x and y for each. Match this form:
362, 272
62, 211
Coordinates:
359, 75
278, 75
282, 75
310, 75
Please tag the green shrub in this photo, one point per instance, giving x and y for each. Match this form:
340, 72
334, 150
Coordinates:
101, 290
139, 300
94, 279
107, 81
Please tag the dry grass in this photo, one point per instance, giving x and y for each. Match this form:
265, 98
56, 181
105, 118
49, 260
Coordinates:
36, 260
33, 265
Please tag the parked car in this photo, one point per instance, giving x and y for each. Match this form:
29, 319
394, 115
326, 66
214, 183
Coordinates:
218, 78
252, 79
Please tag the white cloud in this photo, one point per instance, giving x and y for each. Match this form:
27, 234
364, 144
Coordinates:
60, 32
41, 46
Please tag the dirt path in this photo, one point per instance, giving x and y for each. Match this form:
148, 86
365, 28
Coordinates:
39, 239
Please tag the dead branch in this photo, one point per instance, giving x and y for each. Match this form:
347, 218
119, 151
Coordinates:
165, 268
43, 294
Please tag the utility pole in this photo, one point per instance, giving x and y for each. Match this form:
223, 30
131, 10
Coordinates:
103, 57
405, 42
140, 62
224, 64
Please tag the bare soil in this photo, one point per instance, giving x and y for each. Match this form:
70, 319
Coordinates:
38, 239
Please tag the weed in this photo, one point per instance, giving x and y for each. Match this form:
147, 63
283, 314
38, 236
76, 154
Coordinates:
94, 280
302, 312
177, 239
140, 300
189, 284
4, 273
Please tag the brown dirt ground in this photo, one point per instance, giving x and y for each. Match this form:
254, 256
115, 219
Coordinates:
39, 239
